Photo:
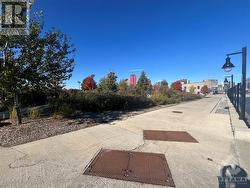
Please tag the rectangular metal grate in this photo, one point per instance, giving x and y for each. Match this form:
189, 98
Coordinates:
141, 167
175, 136
177, 112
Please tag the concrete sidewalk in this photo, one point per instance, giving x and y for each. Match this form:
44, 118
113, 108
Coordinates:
60, 161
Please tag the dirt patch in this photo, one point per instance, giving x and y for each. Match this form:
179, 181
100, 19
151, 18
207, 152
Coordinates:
32, 130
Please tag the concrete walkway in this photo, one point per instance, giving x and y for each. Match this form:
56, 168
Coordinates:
60, 161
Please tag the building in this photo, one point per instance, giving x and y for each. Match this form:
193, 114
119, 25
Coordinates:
195, 85
212, 85
132, 80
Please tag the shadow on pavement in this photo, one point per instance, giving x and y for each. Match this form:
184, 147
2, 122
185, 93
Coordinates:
233, 177
2, 124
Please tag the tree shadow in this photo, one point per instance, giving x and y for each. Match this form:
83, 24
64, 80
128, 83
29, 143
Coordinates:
103, 117
3, 124
233, 177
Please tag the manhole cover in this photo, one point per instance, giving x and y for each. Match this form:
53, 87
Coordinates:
176, 136
131, 166
177, 112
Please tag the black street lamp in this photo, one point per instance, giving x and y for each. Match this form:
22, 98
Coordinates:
226, 83
228, 67
232, 80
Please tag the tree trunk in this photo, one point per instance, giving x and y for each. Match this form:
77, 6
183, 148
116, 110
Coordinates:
17, 107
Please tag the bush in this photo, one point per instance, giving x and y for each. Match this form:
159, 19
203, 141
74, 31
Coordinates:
64, 111
34, 113
96, 101
13, 114
70, 101
172, 96
160, 99
189, 96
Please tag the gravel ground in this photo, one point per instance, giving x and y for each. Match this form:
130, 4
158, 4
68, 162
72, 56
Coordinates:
31, 130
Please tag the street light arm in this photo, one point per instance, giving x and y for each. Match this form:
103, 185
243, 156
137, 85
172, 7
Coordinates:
235, 53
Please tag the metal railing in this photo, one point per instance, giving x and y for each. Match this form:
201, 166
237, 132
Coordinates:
235, 96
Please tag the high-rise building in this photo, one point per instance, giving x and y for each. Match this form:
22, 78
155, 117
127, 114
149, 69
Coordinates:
132, 80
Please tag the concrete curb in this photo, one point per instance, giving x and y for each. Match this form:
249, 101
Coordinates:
241, 137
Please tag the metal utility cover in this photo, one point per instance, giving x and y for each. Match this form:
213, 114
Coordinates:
175, 136
177, 112
141, 167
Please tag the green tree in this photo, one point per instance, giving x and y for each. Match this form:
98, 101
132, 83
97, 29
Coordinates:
123, 87
108, 84
40, 61
143, 86
162, 87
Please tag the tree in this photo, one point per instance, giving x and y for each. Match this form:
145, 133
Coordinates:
162, 87
108, 84
143, 86
123, 87
177, 86
40, 61
204, 89
89, 83
192, 89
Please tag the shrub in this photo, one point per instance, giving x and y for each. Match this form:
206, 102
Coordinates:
96, 101
189, 96
160, 99
34, 113
99, 101
64, 111
13, 115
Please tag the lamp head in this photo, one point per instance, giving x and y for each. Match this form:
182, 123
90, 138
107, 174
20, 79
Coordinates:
228, 65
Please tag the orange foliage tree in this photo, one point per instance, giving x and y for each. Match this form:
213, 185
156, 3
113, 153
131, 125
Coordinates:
204, 89
89, 83
177, 86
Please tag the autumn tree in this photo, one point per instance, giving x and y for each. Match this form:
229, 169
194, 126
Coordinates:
40, 61
176, 86
89, 83
204, 89
143, 86
108, 83
192, 89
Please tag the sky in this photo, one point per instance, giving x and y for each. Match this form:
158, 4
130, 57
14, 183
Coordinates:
168, 39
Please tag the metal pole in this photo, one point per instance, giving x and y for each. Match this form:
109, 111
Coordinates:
237, 97
243, 88
232, 81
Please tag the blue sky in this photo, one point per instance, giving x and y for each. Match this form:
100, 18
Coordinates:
169, 39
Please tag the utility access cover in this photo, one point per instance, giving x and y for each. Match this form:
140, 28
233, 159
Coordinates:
175, 136
141, 167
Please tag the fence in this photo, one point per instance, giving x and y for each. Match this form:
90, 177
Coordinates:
235, 96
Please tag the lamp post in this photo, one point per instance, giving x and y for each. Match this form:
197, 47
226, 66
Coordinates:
79, 84
228, 67
226, 83
232, 80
